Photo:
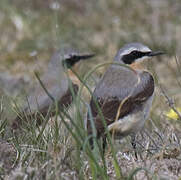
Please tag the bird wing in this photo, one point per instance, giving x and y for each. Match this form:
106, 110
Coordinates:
38, 98
123, 87
44, 102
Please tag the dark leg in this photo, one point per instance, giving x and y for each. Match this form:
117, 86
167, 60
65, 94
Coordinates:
133, 142
91, 143
91, 138
104, 144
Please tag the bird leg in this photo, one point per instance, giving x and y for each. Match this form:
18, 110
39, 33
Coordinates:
133, 143
91, 143
104, 144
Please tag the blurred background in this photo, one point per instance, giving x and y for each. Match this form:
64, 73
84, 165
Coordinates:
30, 31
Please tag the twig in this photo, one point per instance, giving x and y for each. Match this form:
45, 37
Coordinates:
178, 69
170, 102
153, 141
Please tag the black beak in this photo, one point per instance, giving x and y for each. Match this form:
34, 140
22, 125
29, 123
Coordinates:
83, 56
77, 57
73, 59
157, 53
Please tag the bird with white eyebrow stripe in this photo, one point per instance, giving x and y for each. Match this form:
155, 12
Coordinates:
124, 95
56, 82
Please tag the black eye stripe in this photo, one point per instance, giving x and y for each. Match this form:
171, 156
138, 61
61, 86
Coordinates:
130, 58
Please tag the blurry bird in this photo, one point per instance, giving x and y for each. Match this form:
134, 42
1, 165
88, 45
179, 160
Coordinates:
56, 82
124, 95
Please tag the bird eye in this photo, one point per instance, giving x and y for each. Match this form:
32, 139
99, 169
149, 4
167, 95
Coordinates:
135, 53
130, 58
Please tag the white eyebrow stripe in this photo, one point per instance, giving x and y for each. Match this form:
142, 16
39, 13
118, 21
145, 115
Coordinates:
145, 49
128, 51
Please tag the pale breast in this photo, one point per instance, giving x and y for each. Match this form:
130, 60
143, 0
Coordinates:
133, 122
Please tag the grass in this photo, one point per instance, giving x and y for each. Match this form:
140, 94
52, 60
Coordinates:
52, 151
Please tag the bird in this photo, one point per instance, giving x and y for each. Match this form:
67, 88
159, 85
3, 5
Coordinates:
56, 82
124, 95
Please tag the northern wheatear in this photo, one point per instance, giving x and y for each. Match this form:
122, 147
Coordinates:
124, 94
56, 82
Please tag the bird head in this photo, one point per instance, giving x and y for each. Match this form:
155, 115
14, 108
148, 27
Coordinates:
71, 58
67, 58
135, 53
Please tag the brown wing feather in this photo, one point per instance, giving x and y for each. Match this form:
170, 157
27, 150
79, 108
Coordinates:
67, 99
110, 104
64, 102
